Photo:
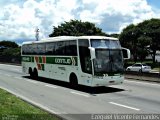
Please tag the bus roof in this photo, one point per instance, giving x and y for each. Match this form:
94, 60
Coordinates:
65, 38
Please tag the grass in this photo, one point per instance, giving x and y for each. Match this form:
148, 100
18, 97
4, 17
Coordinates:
157, 69
13, 108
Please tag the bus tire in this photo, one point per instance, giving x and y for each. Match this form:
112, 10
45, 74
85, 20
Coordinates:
140, 70
30, 72
128, 69
35, 74
73, 80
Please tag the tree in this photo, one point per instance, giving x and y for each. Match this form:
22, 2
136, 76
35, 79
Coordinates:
12, 52
128, 39
151, 30
142, 43
113, 35
9, 48
141, 36
76, 28
8, 44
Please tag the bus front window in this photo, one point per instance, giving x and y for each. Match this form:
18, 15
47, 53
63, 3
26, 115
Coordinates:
108, 61
109, 58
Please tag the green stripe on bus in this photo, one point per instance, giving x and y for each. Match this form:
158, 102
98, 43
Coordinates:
62, 60
40, 59
32, 58
53, 60
27, 59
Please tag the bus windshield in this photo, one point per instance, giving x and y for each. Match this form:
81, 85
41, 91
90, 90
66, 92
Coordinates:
109, 58
105, 43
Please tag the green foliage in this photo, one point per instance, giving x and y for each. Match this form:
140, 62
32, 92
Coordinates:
12, 52
114, 35
11, 49
138, 38
76, 28
128, 39
8, 44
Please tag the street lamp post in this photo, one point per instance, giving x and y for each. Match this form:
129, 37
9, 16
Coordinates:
37, 34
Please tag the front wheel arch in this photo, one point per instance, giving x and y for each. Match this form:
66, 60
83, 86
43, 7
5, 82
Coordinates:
73, 80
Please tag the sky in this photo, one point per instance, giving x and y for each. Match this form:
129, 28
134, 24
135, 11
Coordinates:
20, 18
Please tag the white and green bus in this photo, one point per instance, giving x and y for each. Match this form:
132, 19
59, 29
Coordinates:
85, 60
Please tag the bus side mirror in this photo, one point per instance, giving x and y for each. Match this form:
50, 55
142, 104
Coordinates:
93, 53
126, 53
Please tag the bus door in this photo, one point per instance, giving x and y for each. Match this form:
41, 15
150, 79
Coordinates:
85, 62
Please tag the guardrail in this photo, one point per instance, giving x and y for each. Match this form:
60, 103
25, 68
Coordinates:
153, 77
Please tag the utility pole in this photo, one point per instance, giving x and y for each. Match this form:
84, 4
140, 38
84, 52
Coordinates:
37, 34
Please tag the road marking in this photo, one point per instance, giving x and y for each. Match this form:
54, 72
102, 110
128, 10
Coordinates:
125, 106
10, 65
77, 93
18, 78
16, 69
7, 75
51, 86
32, 81
142, 83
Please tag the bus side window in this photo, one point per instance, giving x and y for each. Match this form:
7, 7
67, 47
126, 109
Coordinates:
34, 49
24, 49
27, 49
42, 48
50, 48
30, 49
68, 49
73, 48
56, 48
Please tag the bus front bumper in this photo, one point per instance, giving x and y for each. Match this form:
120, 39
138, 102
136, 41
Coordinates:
107, 81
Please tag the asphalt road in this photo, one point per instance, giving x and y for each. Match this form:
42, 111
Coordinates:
132, 97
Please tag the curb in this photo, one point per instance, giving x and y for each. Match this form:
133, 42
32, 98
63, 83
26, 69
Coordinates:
143, 78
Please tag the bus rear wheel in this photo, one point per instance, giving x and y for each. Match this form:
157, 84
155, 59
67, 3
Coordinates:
73, 80
30, 72
35, 74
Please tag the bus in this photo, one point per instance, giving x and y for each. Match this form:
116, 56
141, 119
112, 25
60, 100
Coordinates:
80, 60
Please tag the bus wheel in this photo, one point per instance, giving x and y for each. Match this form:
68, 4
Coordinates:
30, 72
128, 69
73, 80
140, 70
35, 74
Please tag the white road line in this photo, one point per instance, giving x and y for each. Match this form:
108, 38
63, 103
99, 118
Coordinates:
51, 86
77, 93
16, 69
125, 106
32, 81
10, 65
142, 83
18, 78
7, 75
